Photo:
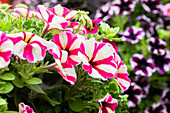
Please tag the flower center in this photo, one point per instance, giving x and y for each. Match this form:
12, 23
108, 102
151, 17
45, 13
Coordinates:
28, 37
92, 63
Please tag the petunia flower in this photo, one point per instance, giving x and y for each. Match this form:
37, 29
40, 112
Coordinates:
26, 13
157, 46
25, 108
165, 98
63, 12
133, 34
51, 20
162, 62
152, 6
122, 76
108, 104
156, 108
6, 48
95, 27
69, 43
113, 43
135, 95
98, 59
141, 65
61, 65
146, 24
124, 7
105, 12
143, 82
29, 46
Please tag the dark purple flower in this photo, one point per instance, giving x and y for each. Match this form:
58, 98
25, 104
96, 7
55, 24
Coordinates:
124, 7
156, 108
141, 65
152, 6
146, 24
162, 62
165, 98
157, 46
135, 95
105, 12
143, 82
133, 34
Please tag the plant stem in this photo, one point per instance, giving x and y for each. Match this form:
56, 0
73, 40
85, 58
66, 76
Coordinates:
78, 27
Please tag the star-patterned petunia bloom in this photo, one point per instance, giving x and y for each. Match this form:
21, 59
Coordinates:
135, 95
108, 104
156, 108
166, 9
61, 65
70, 43
25, 108
141, 65
143, 82
6, 48
105, 12
98, 59
124, 7
26, 13
165, 98
63, 12
133, 34
162, 62
95, 27
29, 46
152, 6
122, 76
52, 21
157, 46
146, 24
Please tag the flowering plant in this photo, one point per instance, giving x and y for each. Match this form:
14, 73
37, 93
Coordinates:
59, 60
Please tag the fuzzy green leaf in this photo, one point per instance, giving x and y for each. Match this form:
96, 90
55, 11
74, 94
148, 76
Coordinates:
76, 105
7, 76
7, 87
33, 80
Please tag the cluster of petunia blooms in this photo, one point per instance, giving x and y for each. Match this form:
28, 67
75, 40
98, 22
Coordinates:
69, 48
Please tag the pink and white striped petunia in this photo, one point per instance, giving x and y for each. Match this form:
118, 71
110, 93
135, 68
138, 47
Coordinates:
52, 21
6, 47
69, 43
122, 76
25, 109
26, 13
98, 59
29, 46
66, 70
63, 12
95, 27
108, 104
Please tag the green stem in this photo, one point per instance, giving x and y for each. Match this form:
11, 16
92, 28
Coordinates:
78, 27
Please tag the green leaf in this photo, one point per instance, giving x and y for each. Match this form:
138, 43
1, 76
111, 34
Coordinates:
76, 105
7, 87
10, 112
57, 109
7, 76
2, 102
6, 27
3, 105
17, 81
2, 23
35, 88
114, 31
33, 80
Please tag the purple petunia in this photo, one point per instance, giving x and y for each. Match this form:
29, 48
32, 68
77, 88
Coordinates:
135, 95
157, 46
124, 7
152, 6
141, 65
143, 82
165, 99
156, 108
133, 34
162, 62
105, 12
146, 24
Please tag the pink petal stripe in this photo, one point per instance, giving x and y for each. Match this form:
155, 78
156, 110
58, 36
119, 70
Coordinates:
6, 55
16, 40
43, 48
64, 25
97, 48
82, 50
56, 40
28, 53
